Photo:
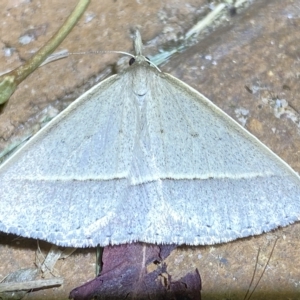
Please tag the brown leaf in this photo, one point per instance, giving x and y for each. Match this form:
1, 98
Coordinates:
137, 271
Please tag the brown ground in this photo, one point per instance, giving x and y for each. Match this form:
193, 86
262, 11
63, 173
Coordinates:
258, 48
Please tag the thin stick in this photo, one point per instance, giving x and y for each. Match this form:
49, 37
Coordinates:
253, 275
245, 298
99, 262
29, 285
10, 80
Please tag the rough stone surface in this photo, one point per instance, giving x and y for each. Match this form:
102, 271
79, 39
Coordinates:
254, 67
